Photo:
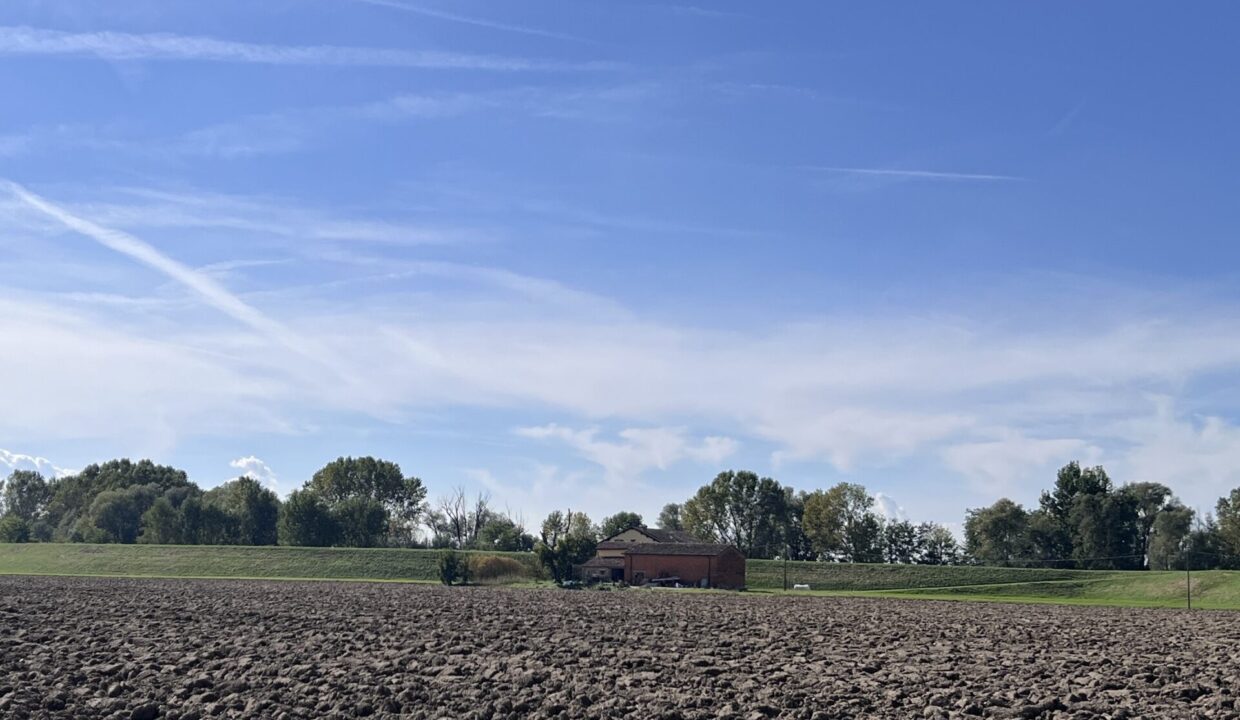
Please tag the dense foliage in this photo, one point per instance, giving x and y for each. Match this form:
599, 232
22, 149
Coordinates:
566, 539
1083, 521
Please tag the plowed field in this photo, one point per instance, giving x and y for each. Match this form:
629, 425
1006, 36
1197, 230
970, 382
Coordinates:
97, 648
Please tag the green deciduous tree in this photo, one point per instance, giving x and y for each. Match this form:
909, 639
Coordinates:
13, 529
115, 516
25, 494
669, 517
502, 533
1149, 500
1228, 512
900, 542
403, 498
618, 523
567, 539
1070, 482
842, 525
73, 495
1104, 531
797, 544
362, 522
936, 545
255, 510
306, 520
997, 535
162, 524
1172, 526
741, 509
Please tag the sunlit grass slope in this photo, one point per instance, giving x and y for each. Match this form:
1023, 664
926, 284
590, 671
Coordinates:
229, 562
1211, 590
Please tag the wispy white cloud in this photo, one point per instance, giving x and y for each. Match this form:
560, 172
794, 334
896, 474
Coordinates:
845, 436
149, 384
638, 449
991, 405
1195, 454
11, 461
19, 40
252, 467
1013, 461
888, 509
161, 210
916, 174
467, 20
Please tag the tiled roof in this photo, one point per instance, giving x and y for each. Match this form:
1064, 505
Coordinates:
604, 562
678, 549
659, 536
671, 536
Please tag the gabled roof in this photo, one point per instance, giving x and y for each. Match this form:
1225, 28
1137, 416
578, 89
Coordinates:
659, 536
707, 549
670, 536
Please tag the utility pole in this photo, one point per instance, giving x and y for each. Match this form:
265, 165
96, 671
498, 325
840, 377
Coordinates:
1188, 583
1186, 556
785, 567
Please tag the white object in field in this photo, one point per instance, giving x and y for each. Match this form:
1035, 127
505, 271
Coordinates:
799, 586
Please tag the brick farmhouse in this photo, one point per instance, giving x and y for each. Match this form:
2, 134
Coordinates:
638, 556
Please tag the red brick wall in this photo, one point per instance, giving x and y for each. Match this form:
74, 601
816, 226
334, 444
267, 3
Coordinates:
724, 571
729, 570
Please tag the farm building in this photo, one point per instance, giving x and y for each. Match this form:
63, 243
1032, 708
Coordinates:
641, 555
607, 565
696, 564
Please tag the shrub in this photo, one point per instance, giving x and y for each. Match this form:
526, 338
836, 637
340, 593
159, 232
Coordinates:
453, 568
14, 530
495, 568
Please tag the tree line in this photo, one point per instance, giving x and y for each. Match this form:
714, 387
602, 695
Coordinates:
764, 519
358, 502
1083, 521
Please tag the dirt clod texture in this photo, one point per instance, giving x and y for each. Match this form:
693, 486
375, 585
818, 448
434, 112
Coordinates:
153, 649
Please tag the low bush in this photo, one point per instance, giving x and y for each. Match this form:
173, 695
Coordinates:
453, 567
494, 568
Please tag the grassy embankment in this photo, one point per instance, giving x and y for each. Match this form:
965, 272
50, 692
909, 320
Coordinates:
1214, 590
207, 561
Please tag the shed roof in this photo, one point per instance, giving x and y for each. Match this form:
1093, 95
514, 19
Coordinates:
711, 549
604, 562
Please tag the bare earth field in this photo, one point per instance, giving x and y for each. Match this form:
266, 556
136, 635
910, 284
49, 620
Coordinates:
103, 648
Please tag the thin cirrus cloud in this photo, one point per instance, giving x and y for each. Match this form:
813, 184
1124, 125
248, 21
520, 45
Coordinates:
916, 174
109, 45
468, 20
203, 285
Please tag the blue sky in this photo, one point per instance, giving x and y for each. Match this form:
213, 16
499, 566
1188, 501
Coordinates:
590, 253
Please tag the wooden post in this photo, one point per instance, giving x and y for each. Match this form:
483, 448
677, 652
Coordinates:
1188, 583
